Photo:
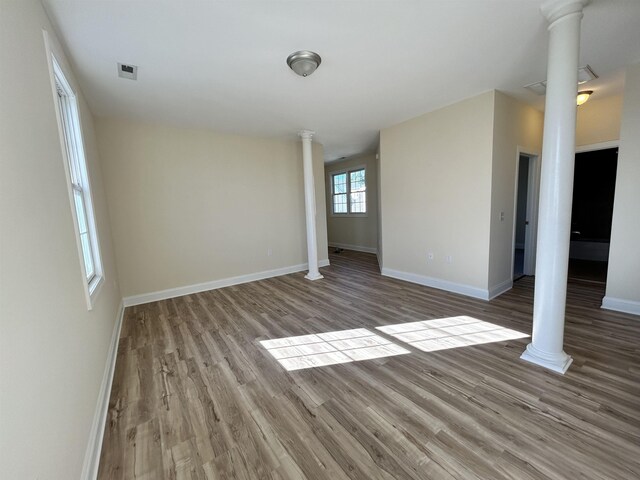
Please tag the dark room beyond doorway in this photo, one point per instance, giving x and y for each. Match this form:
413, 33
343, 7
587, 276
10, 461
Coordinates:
592, 213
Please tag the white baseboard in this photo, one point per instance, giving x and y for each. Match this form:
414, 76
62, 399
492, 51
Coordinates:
215, 284
94, 446
355, 248
621, 305
461, 288
500, 289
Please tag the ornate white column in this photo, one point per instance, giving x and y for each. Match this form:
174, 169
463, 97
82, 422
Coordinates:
556, 185
310, 205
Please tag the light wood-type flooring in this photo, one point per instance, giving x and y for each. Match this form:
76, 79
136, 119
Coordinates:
196, 396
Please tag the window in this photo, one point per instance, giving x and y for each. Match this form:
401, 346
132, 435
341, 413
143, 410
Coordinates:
80, 193
349, 192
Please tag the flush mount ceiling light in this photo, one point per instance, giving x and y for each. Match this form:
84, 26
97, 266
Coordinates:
583, 96
304, 62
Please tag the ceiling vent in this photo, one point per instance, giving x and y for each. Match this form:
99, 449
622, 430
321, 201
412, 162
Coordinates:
539, 88
127, 71
585, 74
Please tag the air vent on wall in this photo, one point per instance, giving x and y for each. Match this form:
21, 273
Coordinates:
127, 71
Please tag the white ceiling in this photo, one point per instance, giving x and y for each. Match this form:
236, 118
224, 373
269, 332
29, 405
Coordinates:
222, 65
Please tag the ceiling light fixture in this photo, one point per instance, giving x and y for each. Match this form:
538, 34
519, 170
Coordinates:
304, 62
583, 96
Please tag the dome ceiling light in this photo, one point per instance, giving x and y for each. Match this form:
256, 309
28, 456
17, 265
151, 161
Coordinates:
304, 62
583, 96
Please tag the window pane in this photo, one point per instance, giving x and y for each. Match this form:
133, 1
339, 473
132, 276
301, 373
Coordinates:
357, 175
83, 230
340, 183
359, 202
79, 203
340, 203
357, 181
86, 254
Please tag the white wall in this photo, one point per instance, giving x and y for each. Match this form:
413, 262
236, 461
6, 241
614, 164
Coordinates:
193, 206
623, 278
436, 196
52, 349
517, 127
354, 232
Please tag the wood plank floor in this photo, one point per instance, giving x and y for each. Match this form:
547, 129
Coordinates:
196, 396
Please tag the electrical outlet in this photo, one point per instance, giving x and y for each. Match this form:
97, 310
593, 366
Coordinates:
269, 252
502, 216
449, 259
430, 256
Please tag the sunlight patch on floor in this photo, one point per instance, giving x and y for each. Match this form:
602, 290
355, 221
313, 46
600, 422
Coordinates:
342, 346
452, 332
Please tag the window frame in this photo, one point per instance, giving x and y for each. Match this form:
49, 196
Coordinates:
348, 172
77, 177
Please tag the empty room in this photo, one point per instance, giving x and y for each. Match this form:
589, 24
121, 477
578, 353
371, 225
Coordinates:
320, 239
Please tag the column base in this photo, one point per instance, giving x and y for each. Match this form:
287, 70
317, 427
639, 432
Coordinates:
557, 362
313, 276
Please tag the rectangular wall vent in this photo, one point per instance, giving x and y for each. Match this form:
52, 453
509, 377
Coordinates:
127, 71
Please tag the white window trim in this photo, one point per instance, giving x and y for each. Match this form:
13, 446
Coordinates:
366, 182
91, 286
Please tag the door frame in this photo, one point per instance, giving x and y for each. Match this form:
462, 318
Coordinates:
598, 146
533, 193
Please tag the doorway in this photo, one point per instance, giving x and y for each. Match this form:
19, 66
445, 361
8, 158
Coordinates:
592, 214
524, 218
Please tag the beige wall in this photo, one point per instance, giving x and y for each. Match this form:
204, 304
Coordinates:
598, 120
436, 194
193, 206
53, 351
517, 127
379, 220
359, 232
321, 209
623, 278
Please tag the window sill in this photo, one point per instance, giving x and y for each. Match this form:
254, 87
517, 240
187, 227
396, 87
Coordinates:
350, 215
93, 289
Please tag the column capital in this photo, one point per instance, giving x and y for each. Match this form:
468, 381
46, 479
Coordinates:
306, 134
554, 10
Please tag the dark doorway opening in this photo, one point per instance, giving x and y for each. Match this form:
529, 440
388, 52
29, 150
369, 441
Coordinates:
524, 234
521, 217
592, 212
